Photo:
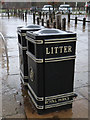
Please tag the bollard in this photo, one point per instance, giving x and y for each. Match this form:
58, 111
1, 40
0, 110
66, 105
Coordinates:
75, 20
19, 13
26, 19
64, 24
49, 9
26, 16
51, 19
42, 22
38, 20
40, 15
54, 24
84, 21
46, 14
8, 13
43, 14
33, 18
69, 17
58, 21
53, 15
23, 16
50, 15
47, 23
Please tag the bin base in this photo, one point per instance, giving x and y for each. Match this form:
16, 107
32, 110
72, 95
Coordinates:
42, 112
50, 110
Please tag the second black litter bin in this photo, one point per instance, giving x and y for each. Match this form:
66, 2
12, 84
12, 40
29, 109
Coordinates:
51, 60
22, 42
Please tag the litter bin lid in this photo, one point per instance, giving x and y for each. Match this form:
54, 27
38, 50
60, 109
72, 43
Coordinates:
31, 27
50, 33
34, 26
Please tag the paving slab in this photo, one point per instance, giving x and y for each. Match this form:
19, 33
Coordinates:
12, 97
14, 65
80, 79
83, 91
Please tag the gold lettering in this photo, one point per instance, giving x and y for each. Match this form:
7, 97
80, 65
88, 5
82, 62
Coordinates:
46, 102
56, 50
51, 50
69, 48
61, 49
47, 51
51, 101
68, 98
63, 99
65, 49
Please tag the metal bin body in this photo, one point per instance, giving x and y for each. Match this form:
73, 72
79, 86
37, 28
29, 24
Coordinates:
22, 42
51, 62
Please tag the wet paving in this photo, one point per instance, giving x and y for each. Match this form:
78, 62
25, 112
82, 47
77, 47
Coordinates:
15, 101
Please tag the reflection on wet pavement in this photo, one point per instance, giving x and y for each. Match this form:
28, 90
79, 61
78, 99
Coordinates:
16, 102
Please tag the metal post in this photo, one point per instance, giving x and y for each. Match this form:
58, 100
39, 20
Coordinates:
43, 14
64, 23
42, 22
58, 21
69, 16
38, 20
47, 23
8, 13
23, 16
51, 19
53, 15
49, 9
40, 15
84, 21
46, 14
33, 18
75, 20
54, 24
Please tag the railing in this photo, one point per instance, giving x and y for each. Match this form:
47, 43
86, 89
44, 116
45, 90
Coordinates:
6, 51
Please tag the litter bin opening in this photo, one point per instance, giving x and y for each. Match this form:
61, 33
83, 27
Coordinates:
19, 38
31, 47
29, 27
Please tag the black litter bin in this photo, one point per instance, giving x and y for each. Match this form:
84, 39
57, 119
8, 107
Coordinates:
51, 60
22, 42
